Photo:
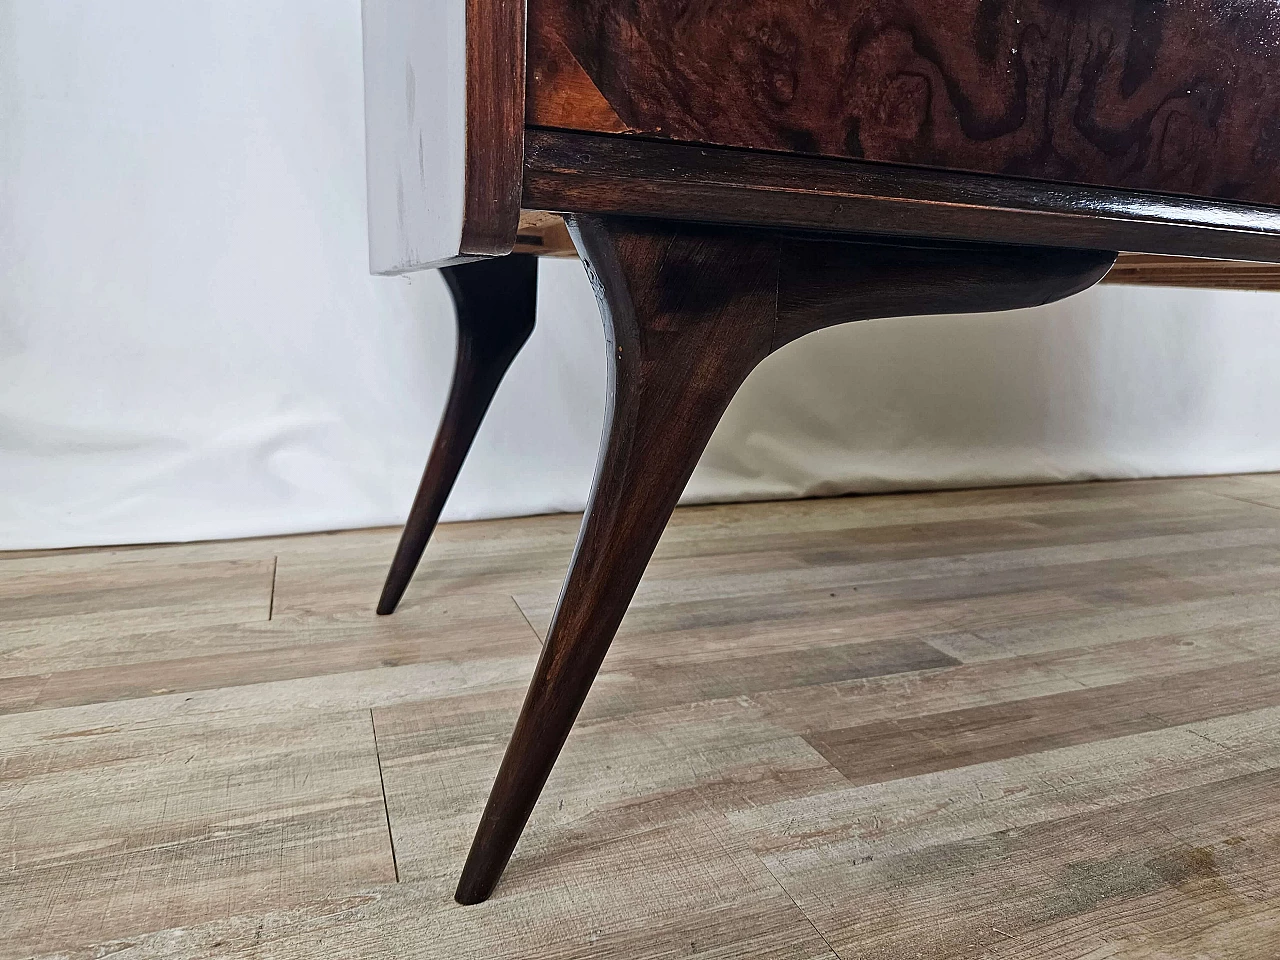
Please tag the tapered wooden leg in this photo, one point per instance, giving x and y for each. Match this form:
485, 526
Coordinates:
671, 376
689, 311
496, 301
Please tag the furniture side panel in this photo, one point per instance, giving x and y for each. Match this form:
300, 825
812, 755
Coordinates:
415, 130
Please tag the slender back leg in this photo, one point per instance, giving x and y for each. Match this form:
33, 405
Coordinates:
689, 311
496, 301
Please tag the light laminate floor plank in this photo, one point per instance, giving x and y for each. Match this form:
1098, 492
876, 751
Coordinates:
123, 826
1028, 723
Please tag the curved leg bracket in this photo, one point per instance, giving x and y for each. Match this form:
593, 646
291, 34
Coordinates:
689, 311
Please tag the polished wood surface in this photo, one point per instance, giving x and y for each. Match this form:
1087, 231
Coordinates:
686, 319
1176, 96
544, 234
496, 302
495, 125
1031, 724
689, 311
614, 175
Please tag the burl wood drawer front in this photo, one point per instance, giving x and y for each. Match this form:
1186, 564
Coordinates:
1178, 96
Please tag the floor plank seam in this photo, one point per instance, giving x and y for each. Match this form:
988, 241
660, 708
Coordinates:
1205, 737
271, 602
1256, 503
1053, 671
525, 616
804, 913
386, 809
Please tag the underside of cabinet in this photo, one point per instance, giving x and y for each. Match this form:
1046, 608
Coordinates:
545, 234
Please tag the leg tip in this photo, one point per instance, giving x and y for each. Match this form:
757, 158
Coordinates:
469, 894
389, 600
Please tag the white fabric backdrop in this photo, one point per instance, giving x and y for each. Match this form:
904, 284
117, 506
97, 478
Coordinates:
190, 346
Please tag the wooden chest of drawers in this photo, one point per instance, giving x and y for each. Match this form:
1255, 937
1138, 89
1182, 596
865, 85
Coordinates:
738, 173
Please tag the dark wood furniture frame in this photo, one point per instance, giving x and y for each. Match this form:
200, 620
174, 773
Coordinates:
819, 163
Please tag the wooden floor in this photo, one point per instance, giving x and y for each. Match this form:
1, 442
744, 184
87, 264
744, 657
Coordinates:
1023, 723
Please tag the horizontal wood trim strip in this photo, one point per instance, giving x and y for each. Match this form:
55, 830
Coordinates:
544, 234
593, 173
1141, 269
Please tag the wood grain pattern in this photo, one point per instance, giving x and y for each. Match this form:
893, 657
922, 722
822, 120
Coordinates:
1100, 880
122, 823
151, 621
495, 92
1141, 270
690, 813
1181, 97
126, 596
544, 234
818, 834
